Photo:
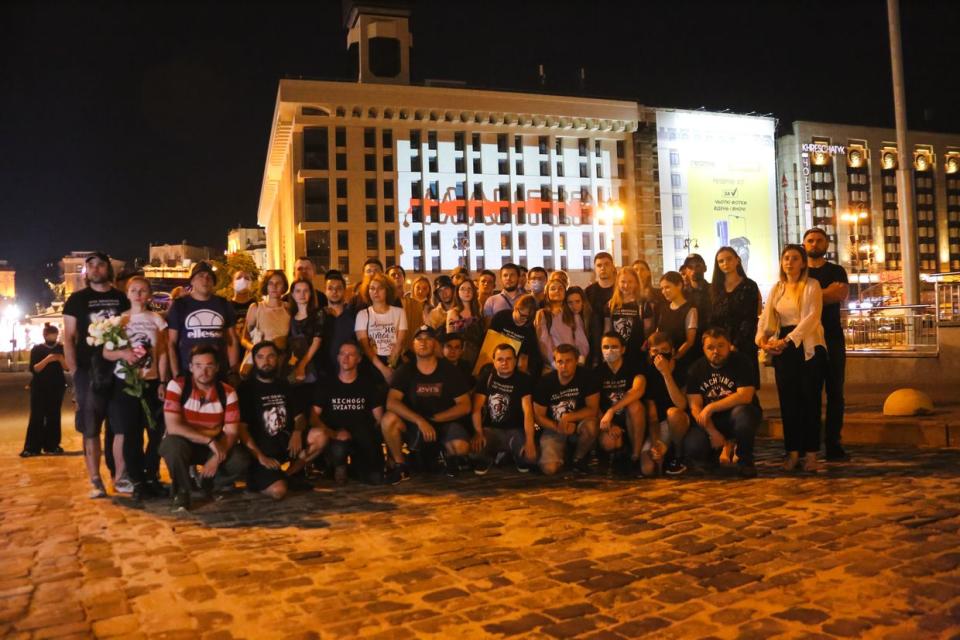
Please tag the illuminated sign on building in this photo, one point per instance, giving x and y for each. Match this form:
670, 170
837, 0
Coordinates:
832, 149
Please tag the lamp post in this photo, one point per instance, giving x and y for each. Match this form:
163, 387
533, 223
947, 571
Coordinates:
855, 218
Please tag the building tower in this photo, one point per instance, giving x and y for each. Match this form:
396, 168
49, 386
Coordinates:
379, 40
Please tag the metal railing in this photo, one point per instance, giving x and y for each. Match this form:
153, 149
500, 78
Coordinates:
895, 330
947, 296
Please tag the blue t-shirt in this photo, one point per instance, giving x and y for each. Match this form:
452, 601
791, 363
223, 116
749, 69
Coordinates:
201, 322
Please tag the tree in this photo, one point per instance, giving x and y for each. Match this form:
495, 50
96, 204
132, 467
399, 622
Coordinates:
226, 267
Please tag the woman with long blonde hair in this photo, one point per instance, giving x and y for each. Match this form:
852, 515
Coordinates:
625, 313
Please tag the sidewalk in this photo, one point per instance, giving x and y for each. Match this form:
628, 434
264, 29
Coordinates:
864, 422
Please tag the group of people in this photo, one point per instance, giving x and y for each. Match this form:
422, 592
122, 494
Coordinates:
392, 377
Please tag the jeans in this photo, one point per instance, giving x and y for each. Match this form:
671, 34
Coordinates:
835, 371
739, 423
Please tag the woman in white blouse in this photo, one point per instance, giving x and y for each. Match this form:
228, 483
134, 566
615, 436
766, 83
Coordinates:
789, 330
557, 324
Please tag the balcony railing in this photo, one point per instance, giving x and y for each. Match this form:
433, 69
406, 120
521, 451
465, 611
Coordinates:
947, 296
892, 331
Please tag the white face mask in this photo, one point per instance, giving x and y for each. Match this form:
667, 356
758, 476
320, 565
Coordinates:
611, 355
241, 284
537, 286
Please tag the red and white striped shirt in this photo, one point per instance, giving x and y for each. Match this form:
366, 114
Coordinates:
202, 409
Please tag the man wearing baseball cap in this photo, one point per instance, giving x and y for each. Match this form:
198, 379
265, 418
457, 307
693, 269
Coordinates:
97, 301
427, 407
202, 317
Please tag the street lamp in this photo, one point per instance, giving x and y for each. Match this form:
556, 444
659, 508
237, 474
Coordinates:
855, 218
610, 214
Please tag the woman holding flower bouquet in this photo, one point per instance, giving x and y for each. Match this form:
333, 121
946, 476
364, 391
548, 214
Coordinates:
136, 401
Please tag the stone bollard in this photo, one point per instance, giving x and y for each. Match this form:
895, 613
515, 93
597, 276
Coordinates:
907, 402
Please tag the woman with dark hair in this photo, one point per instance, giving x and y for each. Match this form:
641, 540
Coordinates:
736, 303
790, 331
268, 318
556, 324
576, 300
466, 319
696, 289
650, 296
306, 328
680, 321
46, 395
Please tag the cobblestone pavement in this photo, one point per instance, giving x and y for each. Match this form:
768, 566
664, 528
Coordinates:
866, 550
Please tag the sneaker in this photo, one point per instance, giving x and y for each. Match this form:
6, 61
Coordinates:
674, 467
837, 454
196, 478
97, 490
26, 453
397, 475
747, 471
582, 466
451, 467
181, 502
154, 489
482, 466
123, 485
139, 492
56, 451
521, 465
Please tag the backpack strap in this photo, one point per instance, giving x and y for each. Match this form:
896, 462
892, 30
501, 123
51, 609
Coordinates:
186, 389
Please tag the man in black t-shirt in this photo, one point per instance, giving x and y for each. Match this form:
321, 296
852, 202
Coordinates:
349, 408
565, 406
666, 407
833, 283
503, 413
46, 395
98, 301
273, 425
451, 347
427, 406
517, 324
622, 421
721, 389
598, 294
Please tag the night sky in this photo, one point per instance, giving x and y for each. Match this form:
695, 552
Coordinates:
128, 123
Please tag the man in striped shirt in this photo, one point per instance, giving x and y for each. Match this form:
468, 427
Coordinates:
202, 418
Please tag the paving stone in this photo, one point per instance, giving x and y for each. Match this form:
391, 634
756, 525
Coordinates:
572, 628
804, 615
847, 627
571, 611
641, 627
517, 626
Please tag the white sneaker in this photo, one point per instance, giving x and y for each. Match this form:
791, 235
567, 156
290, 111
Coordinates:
97, 490
123, 485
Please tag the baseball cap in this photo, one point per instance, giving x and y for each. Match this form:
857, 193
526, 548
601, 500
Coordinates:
203, 267
97, 255
427, 329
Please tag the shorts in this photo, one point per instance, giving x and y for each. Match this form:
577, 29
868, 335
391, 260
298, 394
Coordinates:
553, 444
511, 440
260, 477
446, 432
125, 411
91, 406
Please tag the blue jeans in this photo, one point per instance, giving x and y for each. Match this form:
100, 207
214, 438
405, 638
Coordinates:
739, 423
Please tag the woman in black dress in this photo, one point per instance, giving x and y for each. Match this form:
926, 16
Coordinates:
735, 304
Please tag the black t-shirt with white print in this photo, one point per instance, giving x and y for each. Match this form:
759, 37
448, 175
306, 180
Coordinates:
348, 406
559, 398
266, 409
504, 404
430, 393
614, 385
716, 383
88, 306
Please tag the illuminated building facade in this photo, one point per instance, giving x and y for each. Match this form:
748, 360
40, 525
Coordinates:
8, 284
842, 178
74, 270
251, 241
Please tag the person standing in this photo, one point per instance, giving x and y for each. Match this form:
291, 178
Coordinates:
598, 294
339, 319
509, 292
303, 343
680, 320
486, 283
735, 304
557, 324
380, 327
270, 316
537, 282
790, 331
138, 472
466, 320
517, 324
624, 314
833, 285
443, 296
97, 301
242, 296
304, 269
202, 318
696, 289
47, 387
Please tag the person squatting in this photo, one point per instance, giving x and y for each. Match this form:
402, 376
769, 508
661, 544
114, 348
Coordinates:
380, 382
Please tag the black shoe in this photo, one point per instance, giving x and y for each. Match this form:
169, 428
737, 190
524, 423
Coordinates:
26, 453
397, 475
140, 491
299, 481
837, 454
582, 466
482, 466
181, 502
56, 451
674, 467
747, 471
155, 489
451, 466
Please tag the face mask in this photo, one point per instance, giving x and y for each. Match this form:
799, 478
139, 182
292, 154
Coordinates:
241, 284
611, 356
537, 286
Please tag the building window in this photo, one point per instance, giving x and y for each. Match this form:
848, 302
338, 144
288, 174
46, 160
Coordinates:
522, 240
461, 215
596, 147
477, 166
316, 196
388, 189
558, 143
315, 148
521, 215
387, 164
544, 168
415, 164
677, 201
432, 140
435, 264
519, 166
458, 140
503, 192
341, 162
416, 212
459, 165
418, 240
418, 264
674, 158
370, 189
545, 193
318, 248
475, 141
388, 213
343, 241
546, 215
478, 214
582, 147
561, 194
432, 164
390, 238
620, 149
503, 168
342, 213
369, 137
341, 187
548, 263
587, 241
478, 245
372, 243
371, 213
599, 169
504, 241
434, 239
343, 262
584, 171
547, 240
518, 144
559, 168
543, 143
504, 215
674, 179
341, 137
387, 139
415, 140
434, 192
416, 189
370, 162
502, 142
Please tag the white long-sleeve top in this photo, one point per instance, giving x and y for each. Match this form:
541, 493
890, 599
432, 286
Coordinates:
560, 333
782, 310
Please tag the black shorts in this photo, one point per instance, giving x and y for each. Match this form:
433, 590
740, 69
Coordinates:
446, 432
260, 477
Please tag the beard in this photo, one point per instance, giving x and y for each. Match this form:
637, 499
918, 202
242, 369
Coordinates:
266, 374
816, 255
